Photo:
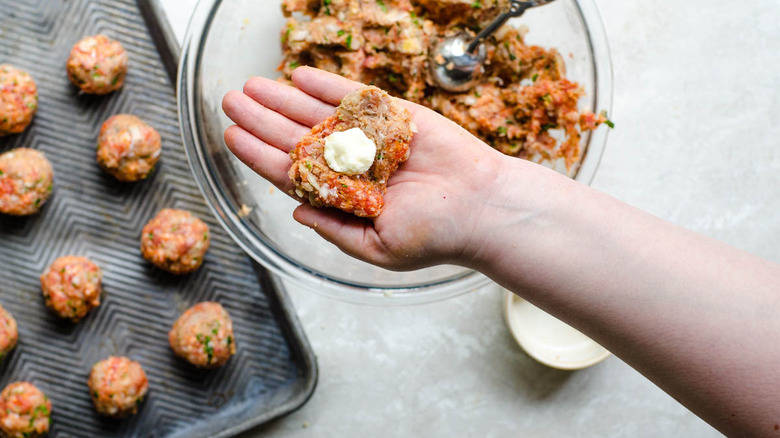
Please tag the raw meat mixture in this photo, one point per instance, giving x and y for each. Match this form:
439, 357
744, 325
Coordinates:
520, 99
383, 121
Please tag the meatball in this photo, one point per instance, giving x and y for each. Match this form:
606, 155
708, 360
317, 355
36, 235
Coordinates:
18, 99
9, 333
203, 335
25, 411
383, 121
117, 386
71, 286
26, 181
128, 148
97, 64
175, 241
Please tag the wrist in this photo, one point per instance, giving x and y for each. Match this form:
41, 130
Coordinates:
525, 202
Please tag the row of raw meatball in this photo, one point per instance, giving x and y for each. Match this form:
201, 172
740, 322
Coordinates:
96, 64
127, 147
117, 385
174, 240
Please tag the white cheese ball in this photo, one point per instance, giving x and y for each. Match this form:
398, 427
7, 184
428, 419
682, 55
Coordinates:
349, 152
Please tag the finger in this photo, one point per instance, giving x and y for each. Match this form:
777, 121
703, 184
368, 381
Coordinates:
328, 87
331, 88
353, 235
267, 125
288, 101
266, 160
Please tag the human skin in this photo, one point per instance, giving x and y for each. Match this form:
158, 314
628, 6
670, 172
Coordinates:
694, 315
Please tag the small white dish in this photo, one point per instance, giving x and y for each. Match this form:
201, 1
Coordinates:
547, 339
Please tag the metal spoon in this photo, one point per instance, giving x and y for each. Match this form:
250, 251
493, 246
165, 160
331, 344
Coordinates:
456, 64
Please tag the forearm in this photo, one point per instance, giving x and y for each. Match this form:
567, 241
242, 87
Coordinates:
692, 314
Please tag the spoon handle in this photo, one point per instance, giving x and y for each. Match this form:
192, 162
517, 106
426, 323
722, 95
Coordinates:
516, 9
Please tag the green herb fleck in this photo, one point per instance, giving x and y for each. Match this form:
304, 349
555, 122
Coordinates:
476, 94
547, 126
151, 236
229, 340
115, 80
382, 5
326, 3
349, 41
501, 130
547, 98
607, 122
535, 77
476, 5
294, 64
41, 409
392, 77
208, 349
340, 32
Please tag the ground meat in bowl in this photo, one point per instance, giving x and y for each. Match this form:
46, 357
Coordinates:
25, 411
26, 181
175, 241
71, 286
128, 148
203, 335
97, 64
18, 99
117, 386
383, 121
9, 333
522, 105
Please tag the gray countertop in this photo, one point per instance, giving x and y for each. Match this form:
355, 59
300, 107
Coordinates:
697, 92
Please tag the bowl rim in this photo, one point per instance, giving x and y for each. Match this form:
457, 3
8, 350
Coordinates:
279, 264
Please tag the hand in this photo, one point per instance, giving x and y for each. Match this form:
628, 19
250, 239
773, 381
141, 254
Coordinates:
433, 203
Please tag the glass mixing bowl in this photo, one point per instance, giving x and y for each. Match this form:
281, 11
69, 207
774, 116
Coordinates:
229, 41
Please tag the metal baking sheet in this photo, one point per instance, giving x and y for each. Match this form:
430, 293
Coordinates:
91, 214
